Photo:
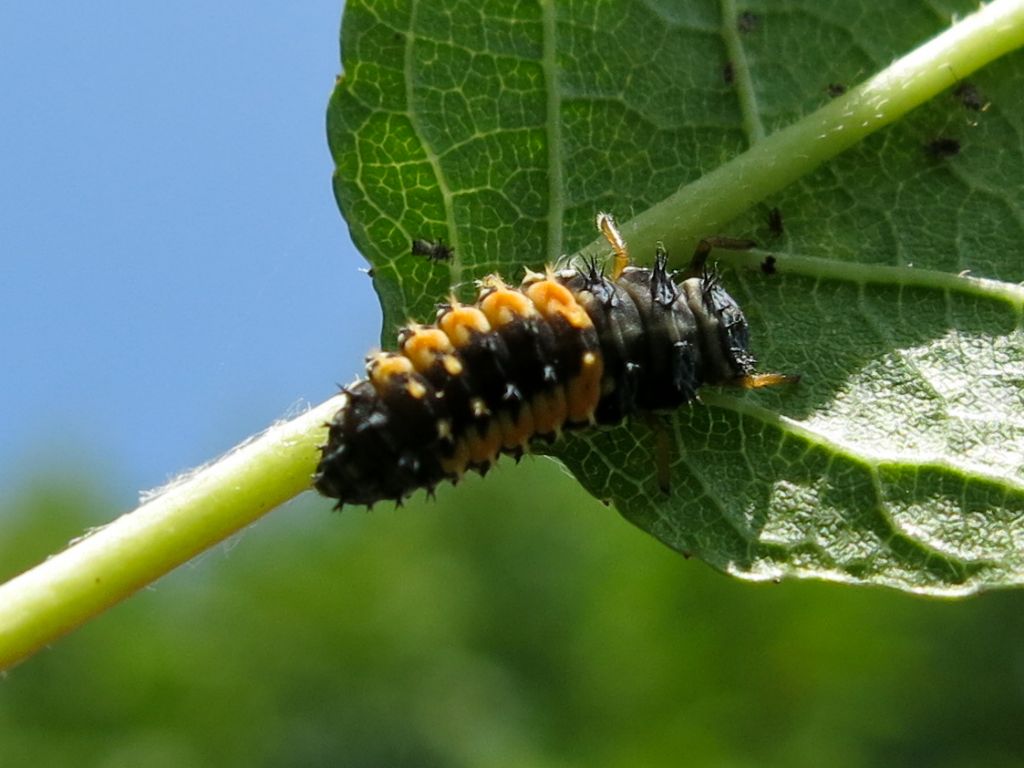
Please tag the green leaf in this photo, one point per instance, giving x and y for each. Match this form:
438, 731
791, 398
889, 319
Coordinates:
503, 127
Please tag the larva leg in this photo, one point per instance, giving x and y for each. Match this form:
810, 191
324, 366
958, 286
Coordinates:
761, 380
611, 233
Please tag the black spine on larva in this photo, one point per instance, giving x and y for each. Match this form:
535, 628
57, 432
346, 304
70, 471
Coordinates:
670, 333
372, 454
568, 344
531, 348
620, 332
486, 362
452, 395
724, 336
658, 342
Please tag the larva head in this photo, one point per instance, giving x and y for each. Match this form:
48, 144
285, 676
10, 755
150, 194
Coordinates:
722, 330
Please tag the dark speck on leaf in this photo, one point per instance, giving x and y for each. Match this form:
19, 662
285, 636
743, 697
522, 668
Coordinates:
748, 22
942, 147
971, 97
768, 265
728, 74
835, 89
775, 221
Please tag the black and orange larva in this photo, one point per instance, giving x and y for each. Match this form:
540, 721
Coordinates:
567, 349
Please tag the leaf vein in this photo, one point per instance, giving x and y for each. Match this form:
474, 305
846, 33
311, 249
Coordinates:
861, 454
862, 273
444, 187
742, 79
556, 202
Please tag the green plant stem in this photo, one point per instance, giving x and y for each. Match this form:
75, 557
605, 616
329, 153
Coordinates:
190, 515
772, 163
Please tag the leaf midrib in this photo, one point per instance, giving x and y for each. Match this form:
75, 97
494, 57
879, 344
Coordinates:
862, 274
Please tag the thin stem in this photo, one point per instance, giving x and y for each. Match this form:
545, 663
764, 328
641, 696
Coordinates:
189, 516
715, 199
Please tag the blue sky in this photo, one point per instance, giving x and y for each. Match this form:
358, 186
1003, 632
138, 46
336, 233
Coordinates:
174, 272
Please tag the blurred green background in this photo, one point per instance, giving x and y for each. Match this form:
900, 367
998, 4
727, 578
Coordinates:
515, 621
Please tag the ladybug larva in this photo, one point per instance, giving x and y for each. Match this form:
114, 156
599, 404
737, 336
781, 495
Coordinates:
566, 349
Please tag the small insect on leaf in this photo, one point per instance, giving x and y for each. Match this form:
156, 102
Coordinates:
970, 97
437, 251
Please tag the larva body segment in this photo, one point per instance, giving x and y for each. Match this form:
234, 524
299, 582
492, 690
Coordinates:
565, 350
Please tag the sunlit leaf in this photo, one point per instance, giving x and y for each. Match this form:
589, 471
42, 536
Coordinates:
503, 127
